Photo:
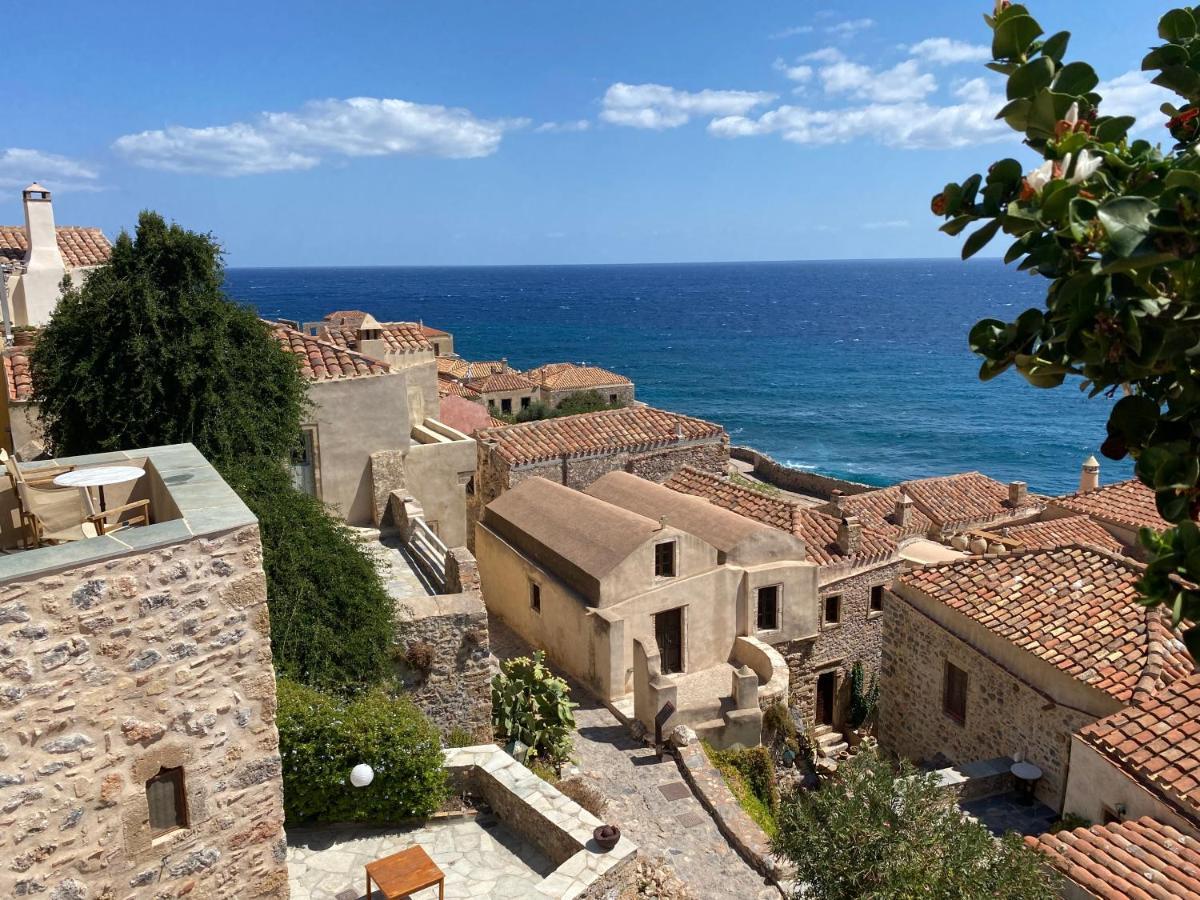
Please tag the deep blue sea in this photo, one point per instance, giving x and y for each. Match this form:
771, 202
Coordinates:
854, 369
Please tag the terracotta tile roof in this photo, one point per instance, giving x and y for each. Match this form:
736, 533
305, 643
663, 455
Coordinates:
323, 361
79, 246
346, 317
1061, 532
1074, 607
633, 428
568, 376
1157, 742
1139, 858
456, 367
948, 502
447, 386
501, 381
877, 509
397, 337
818, 530
1128, 503
432, 332
16, 374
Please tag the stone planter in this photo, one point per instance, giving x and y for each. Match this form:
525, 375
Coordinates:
607, 836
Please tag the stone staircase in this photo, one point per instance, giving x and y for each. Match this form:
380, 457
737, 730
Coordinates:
829, 742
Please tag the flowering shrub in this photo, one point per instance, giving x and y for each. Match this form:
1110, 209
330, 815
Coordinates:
1114, 225
321, 738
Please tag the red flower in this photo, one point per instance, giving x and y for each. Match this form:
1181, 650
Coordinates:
938, 205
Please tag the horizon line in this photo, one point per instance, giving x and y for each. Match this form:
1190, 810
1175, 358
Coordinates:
712, 262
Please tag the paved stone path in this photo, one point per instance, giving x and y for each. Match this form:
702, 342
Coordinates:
649, 800
479, 856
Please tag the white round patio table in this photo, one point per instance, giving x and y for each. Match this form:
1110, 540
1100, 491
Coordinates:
1027, 775
97, 477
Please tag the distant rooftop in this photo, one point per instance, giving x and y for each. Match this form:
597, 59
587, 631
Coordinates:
1061, 532
323, 361
499, 382
1124, 503
635, 428
464, 370
80, 247
568, 376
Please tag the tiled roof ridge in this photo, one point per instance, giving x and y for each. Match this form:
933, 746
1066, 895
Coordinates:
368, 361
1131, 564
1095, 490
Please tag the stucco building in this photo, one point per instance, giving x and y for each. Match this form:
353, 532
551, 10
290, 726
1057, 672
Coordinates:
1014, 654
35, 258
854, 563
648, 595
138, 750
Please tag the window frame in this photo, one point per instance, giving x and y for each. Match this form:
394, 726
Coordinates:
827, 622
526, 402
955, 715
778, 601
872, 609
506, 405
178, 780
535, 597
674, 560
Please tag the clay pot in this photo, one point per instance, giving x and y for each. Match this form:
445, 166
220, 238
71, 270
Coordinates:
607, 836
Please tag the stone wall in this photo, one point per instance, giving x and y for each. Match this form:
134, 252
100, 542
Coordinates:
856, 639
1005, 716
797, 480
456, 690
387, 478
624, 394
112, 672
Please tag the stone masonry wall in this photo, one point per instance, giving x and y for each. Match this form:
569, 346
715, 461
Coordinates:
1005, 716
108, 674
798, 480
838, 648
456, 690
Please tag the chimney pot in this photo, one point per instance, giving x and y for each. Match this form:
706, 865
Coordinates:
1089, 478
838, 498
903, 513
849, 537
1018, 493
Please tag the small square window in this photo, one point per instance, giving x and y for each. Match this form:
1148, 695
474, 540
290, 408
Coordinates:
664, 559
954, 693
167, 800
491, 402
877, 598
833, 609
535, 597
612, 399
768, 608
506, 405
525, 401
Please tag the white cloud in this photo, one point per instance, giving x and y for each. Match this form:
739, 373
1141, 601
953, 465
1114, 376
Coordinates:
825, 55
791, 32
947, 51
850, 27
795, 73
20, 166
658, 106
893, 223
563, 127
281, 141
838, 75
1132, 94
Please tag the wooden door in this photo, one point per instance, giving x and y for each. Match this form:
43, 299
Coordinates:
668, 632
826, 687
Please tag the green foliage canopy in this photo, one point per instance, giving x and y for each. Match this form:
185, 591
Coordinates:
874, 833
1114, 225
321, 738
149, 351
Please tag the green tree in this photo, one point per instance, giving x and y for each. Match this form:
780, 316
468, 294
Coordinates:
877, 833
1114, 225
584, 401
150, 351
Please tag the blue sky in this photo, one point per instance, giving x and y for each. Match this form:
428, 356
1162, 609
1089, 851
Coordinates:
525, 132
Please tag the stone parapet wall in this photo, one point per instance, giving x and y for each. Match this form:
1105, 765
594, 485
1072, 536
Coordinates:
109, 673
456, 691
798, 481
1005, 715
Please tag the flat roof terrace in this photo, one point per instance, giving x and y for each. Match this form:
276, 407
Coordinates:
185, 498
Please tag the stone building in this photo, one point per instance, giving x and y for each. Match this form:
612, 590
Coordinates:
458, 369
855, 564
503, 393
648, 595
558, 381
138, 750
576, 450
442, 341
34, 259
364, 439
1012, 655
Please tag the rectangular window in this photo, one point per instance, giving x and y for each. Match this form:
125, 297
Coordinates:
664, 559
954, 693
877, 598
612, 399
506, 405
833, 609
491, 402
525, 402
768, 608
535, 597
167, 800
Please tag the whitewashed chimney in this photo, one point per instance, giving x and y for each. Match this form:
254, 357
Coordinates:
38, 292
1089, 478
1018, 493
849, 537
368, 340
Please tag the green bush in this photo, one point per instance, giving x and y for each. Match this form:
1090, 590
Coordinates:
460, 737
750, 775
321, 738
532, 705
583, 402
332, 624
777, 721
863, 696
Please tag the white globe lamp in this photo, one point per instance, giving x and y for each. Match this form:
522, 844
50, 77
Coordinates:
362, 775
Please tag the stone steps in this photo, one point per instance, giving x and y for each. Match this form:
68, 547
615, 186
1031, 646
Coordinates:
829, 742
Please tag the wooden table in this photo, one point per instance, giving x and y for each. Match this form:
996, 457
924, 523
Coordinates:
405, 872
